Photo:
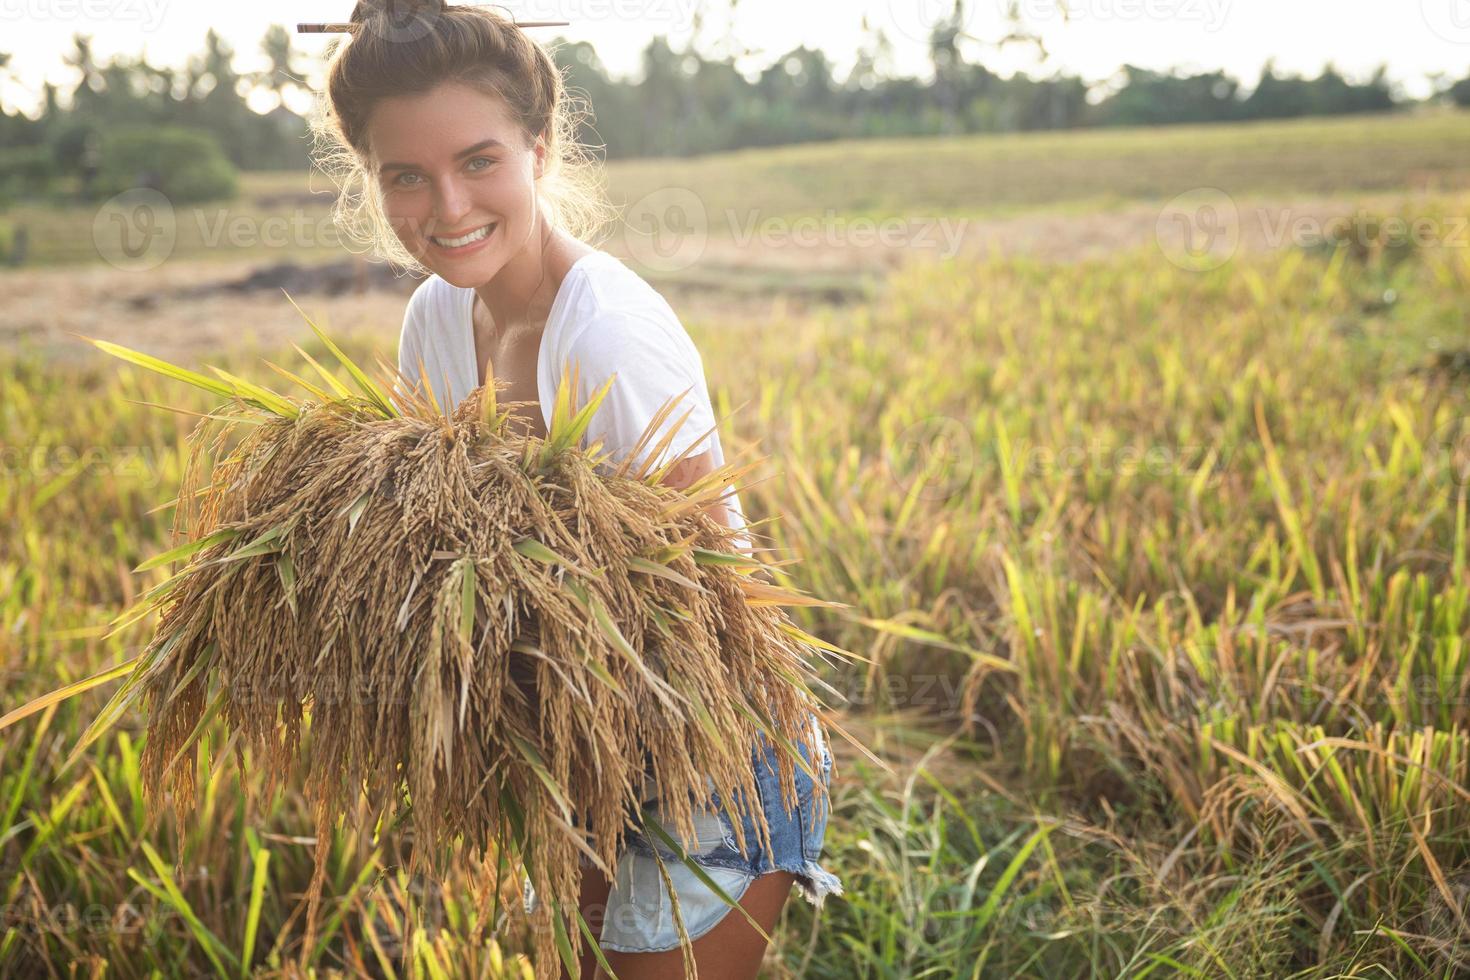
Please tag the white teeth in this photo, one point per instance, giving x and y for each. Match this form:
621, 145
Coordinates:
473, 236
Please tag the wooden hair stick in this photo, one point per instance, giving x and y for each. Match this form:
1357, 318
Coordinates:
348, 28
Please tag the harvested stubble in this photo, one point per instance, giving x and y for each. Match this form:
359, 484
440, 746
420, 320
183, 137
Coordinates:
498, 626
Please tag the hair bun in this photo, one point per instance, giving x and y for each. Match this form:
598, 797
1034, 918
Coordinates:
395, 9
398, 20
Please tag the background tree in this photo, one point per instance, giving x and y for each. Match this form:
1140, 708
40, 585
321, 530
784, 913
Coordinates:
710, 94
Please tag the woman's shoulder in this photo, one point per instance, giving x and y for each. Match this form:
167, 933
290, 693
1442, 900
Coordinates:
610, 304
434, 312
431, 300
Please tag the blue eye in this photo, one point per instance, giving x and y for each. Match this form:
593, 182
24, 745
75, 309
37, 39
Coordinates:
410, 179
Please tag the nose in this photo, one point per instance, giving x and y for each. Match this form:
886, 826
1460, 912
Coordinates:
451, 204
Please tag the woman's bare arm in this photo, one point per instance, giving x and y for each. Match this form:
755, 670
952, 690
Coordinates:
690, 470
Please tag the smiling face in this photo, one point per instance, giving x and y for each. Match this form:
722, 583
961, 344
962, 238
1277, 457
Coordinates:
458, 179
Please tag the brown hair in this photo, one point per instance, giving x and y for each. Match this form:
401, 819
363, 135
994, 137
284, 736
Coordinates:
400, 47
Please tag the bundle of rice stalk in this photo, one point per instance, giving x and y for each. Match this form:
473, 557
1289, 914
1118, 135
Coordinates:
507, 631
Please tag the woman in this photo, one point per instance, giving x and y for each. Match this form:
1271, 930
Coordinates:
452, 129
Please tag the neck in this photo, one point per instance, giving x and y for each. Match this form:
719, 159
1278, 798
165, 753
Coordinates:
522, 292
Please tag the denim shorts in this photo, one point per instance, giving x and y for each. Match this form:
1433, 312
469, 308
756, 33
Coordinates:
640, 917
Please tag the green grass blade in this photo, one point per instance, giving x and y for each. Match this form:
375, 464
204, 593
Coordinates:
252, 911
172, 896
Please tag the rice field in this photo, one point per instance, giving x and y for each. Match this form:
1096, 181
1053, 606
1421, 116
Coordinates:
1162, 571
1070, 173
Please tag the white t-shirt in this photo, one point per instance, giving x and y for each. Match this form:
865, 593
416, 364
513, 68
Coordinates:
608, 320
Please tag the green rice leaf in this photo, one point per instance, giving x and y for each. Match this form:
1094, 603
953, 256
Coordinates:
124, 696
706, 557
998, 891
668, 841
345, 902
258, 395
660, 621
333, 382
568, 426
538, 766
609, 629
62, 693
564, 941
23, 781
774, 734
215, 704
537, 551
353, 511
669, 552
467, 578
593, 943
662, 571
162, 367
189, 547
909, 632
797, 633
321, 393
375, 394
265, 544
206, 656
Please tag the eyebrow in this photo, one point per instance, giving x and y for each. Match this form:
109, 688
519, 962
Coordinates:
467, 151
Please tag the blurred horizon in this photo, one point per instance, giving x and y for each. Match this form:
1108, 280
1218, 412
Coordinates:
1422, 44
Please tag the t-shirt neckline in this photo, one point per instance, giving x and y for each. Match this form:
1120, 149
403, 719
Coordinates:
467, 323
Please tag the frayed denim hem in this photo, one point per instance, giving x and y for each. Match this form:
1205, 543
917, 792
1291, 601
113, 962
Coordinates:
817, 883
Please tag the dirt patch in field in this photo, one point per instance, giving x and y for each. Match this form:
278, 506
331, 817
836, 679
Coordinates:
187, 307
349, 276
175, 310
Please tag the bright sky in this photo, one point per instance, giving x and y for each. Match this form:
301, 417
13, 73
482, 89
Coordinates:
1414, 37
